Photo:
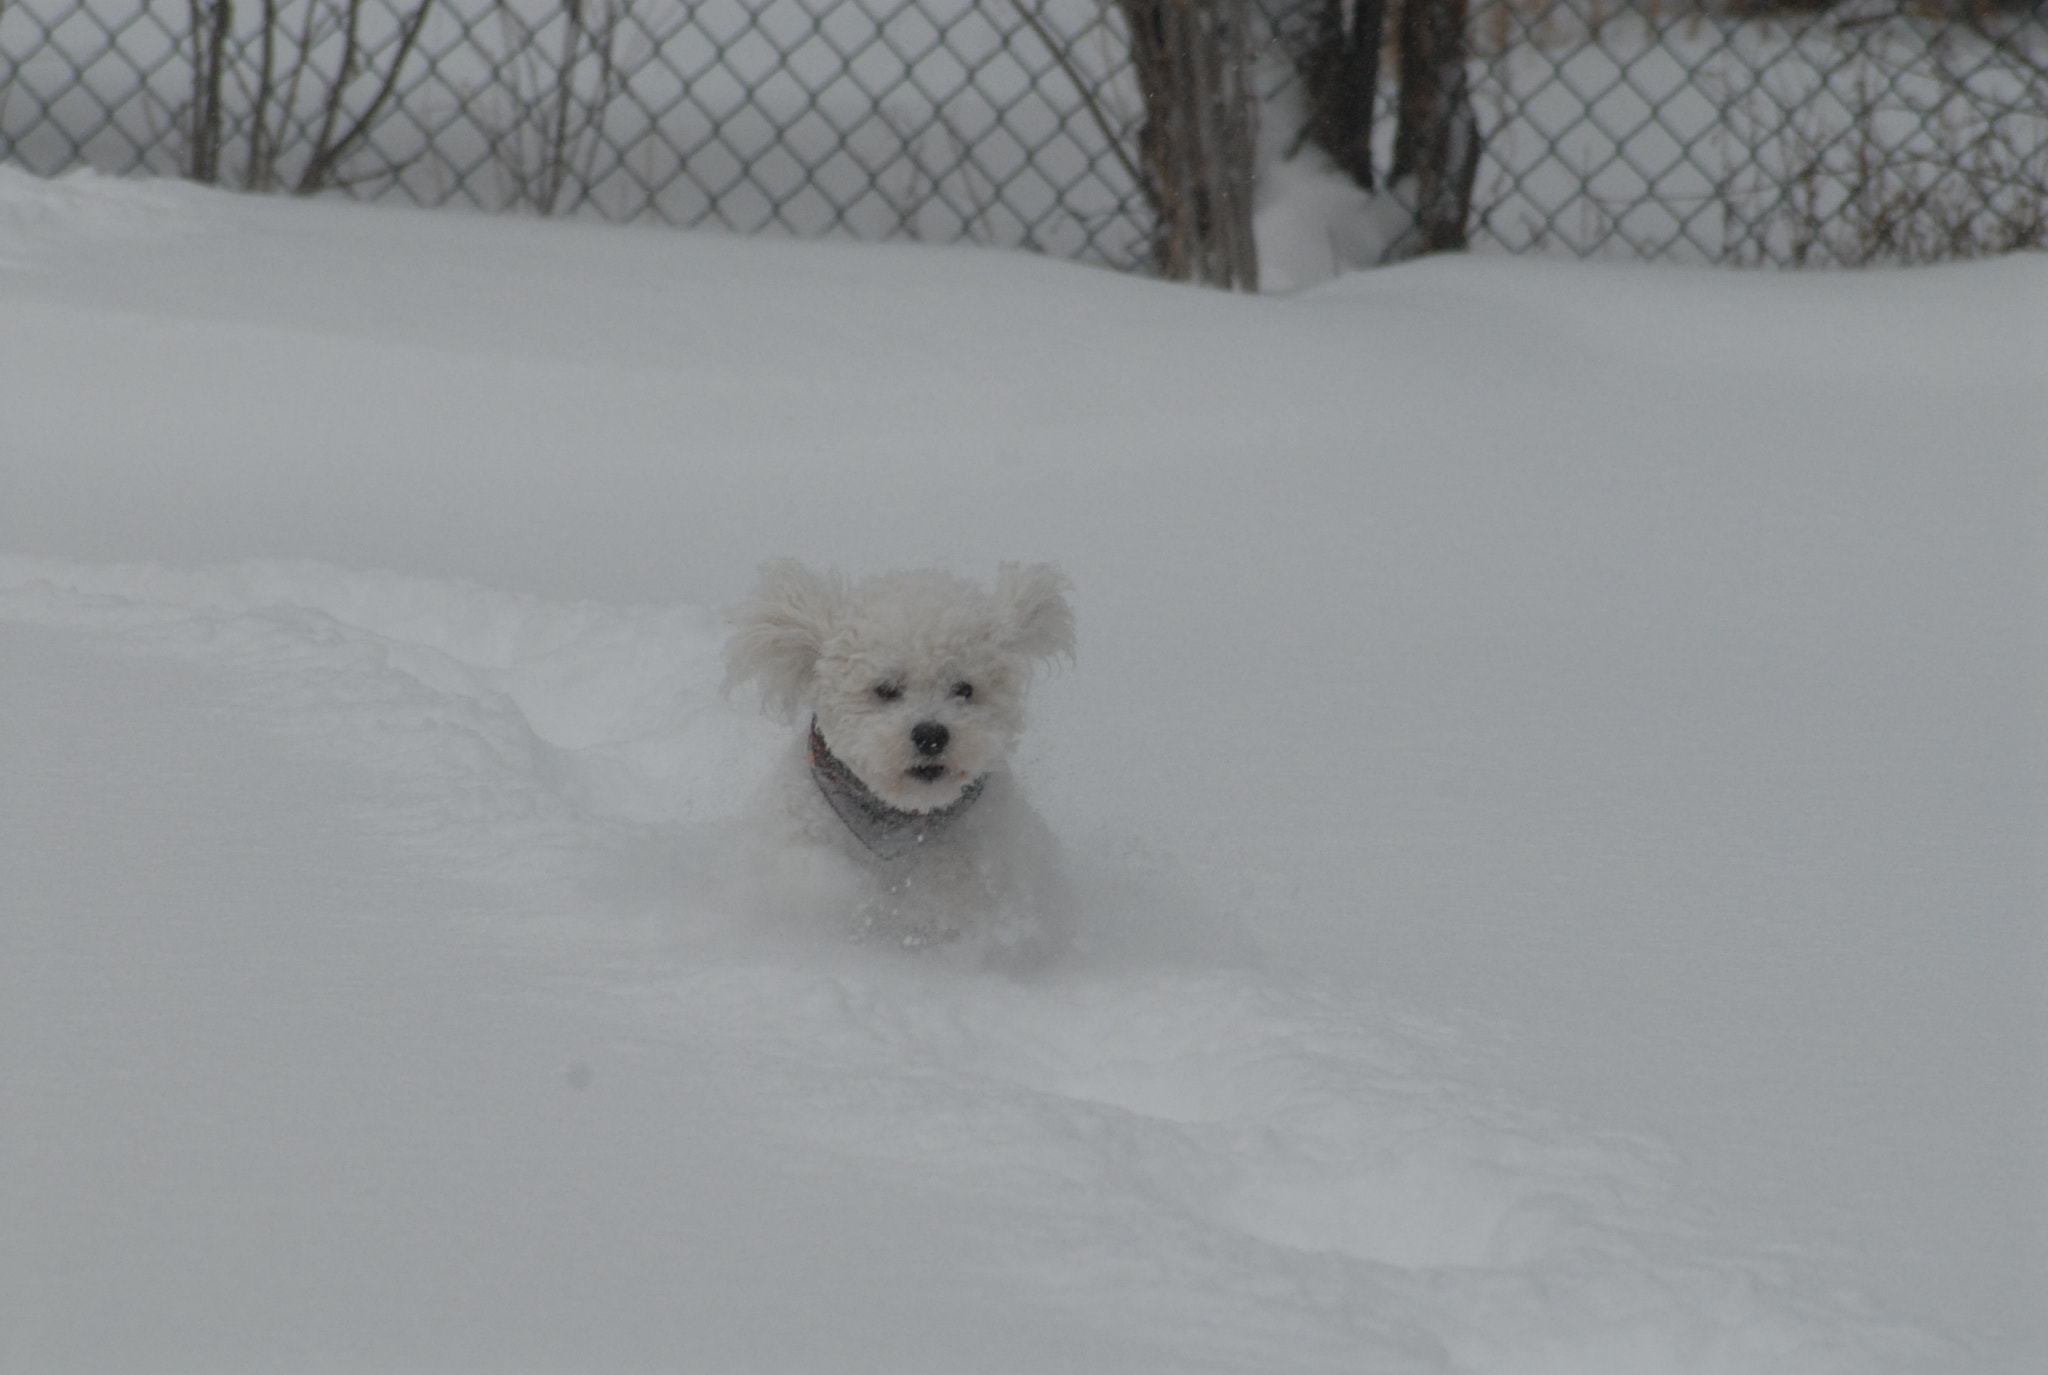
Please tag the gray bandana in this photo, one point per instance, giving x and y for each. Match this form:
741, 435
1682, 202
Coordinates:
885, 831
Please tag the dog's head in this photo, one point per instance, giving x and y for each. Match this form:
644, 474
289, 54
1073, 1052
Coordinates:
916, 679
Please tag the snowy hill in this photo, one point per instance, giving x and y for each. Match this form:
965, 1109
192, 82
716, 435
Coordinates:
1554, 774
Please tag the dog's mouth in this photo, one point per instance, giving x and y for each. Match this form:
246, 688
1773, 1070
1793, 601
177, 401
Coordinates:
927, 773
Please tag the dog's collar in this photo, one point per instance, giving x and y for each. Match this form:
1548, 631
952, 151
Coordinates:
887, 832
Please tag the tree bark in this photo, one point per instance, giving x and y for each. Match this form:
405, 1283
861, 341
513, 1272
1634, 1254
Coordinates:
212, 21
1341, 72
1437, 139
1193, 63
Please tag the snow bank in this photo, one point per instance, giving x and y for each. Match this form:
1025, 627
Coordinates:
1552, 775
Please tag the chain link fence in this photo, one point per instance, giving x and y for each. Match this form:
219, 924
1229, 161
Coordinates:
948, 121
1873, 130
1840, 135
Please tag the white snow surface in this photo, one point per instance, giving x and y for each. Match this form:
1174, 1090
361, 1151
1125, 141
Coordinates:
1554, 775
1311, 221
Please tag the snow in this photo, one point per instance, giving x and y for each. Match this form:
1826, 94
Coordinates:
1554, 772
1311, 221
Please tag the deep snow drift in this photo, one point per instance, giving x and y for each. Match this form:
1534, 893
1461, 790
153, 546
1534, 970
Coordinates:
1555, 774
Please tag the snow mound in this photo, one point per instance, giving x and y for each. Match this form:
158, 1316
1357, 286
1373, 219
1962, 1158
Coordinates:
593, 717
1311, 222
86, 205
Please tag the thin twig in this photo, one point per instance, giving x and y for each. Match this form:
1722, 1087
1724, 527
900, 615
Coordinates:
1083, 88
333, 156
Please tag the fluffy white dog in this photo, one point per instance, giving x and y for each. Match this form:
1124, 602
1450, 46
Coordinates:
910, 688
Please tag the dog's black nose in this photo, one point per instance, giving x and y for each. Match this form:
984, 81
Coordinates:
929, 736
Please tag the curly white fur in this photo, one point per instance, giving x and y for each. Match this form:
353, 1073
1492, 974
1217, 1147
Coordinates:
915, 682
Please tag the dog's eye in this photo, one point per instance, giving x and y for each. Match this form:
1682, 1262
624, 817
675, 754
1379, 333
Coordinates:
964, 691
888, 692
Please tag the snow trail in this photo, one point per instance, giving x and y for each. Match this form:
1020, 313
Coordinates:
1259, 1168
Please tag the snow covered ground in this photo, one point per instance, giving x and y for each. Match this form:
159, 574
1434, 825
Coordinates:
1555, 774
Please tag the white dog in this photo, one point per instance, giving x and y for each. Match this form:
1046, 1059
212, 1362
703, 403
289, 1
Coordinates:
910, 688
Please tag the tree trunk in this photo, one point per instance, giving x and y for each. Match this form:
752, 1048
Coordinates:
1437, 140
1193, 63
212, 21
1341, 73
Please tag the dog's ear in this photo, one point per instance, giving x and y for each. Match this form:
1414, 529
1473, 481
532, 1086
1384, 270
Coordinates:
1032, 598
779, 631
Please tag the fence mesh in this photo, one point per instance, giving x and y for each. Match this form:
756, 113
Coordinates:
1872, 130
1869, 132
943, 121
